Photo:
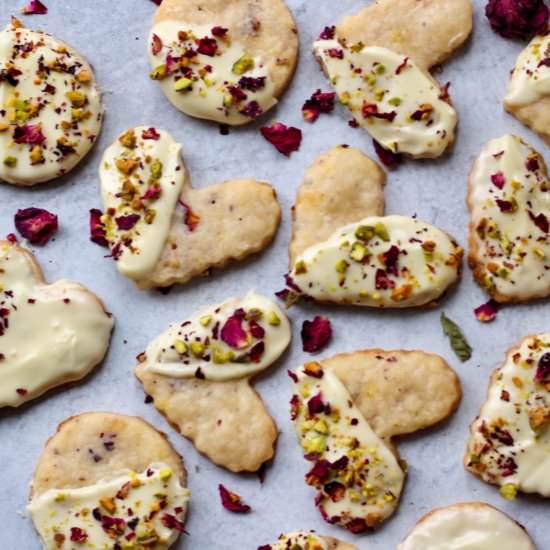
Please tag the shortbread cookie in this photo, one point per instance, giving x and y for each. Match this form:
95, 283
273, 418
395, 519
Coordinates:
50, 334
346, 410
199, 374
306, 540
50, 106
528, 95
509, 199
509, 442
428, 31
341, 187
108, 479
224, 61
162, 231
467, 526
394, 99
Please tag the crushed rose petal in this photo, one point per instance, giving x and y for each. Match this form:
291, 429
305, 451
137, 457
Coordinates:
543, 368
316, 334
387, 158
29, 133
218, 31
78, 534
286, 140
319, 102
11, 238
34, 7
150, 133
327, 33
517, 18
498, 179
232, 501
125, 223
541, 221
208, 46
156, 46
36, 224
486, 313
97, 229
232, 332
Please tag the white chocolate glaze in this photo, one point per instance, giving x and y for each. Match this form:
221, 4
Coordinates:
510, 211
147, 506
127, 174
399, 104
203, 346
49, 333
300, 540
391, 261
50, 107
531, 76
364, 489
509, 442
467, 527
212, 85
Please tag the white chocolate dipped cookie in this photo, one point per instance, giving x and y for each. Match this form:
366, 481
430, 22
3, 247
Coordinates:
509, 200
347, 409
199, 375
160, 230
50, 106
528, 94
306, 540
220, 61
50, 334
108, 480
509, 444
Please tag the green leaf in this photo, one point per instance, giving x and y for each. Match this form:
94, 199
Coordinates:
458, 340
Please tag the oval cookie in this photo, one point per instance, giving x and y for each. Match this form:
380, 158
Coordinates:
199, 374
107, 479
465, 527
306, 540
226, 62
50, 334
50, 106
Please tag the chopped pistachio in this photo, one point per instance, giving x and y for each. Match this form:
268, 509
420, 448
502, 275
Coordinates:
356, 48
509, 491
183, 84
243, 65
342, 266
300, 267
381, 231
198, 349
156, 169
364, 233
205, 320
84, 76
37, 155
181, 346
254, 314
10, 161
159, 73
273, 319
220, 357
395, 101
77, 99
358, 252
380, 69
128, 139
165, 474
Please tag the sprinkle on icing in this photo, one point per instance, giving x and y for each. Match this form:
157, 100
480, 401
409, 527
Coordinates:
48, 333
141, 180
399, 104
206, 74
510, 442
50, 107
510, 202
299, 540
391, 261
233, 340
467, 527
132, 511
531, 76
357, 477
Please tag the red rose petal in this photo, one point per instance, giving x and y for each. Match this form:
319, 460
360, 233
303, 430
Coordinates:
486, 313
11, 238
382, 281
208, 46
335, 491
319, 102
517, 18
29, 133
125, 223
286, 140
257, 352
315, 405
391, 258
504, 206
34, 7
191, 219
150, 133
327, 33
171, 522
541, 221
36, 224
319, 473
97, 229
252, 84
232, 501
252, 110
294, 406
316, 334
371, 110
256, 330
543, 368
219, 31
498, 179
232, 332
78, 534
152, 194
387, 158
156, 46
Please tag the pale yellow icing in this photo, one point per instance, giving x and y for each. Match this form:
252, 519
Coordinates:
467, 527
366, 489
510, 442
48, 333
531, 76
195, 347
350, 266
158, 165
514, 251
56, 95
300, 540
207, 94
376, 79
147, 506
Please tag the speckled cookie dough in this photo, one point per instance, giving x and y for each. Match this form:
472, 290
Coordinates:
50, 334
50, 106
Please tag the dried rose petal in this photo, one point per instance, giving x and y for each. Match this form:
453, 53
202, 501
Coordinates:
532, 163
150, 133
541, 221
293, 376
157, 2
387, 158
335, 490
232, 501
328, 33
152, 194
315, 370
294, 407
78, 534
172, 64
252, 84
156, 46
340, 464
29, 133
256, 330
504, 206
382, 281
191, 219
315, 405
371, 110
208, 46
336, 53
233, 333
97, 229
237, 94
219, 31
498, 179
353, 123
316, 334
286, 140
125, 223
517, 18
252, 110
11, 238
34, 7
171, 522
319, 473
319, 102
257, 352
357, 526
543, 368
487, 312
402, 65
391, 257
36, 224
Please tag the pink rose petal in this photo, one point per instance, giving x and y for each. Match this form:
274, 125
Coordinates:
36, 224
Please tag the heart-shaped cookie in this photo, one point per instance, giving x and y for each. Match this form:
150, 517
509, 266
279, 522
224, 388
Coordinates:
307, 540
162, 231
199, 375
509, 200
224, 61
344, 251
528, 95
50, 334
347, 409
509, 443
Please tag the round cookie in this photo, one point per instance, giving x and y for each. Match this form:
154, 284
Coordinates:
93, 449
50, 106
223, 61
465, 527
307, 540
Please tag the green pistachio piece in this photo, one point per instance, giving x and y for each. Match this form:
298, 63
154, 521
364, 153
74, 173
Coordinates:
181, 346
381, 231
10, 162
77, 99
156, 169
273, 319
509, 491
183, 84
198, 349
395, 101
159, 73
342, 266
365, 233
243, 65
358, 252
